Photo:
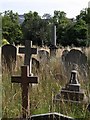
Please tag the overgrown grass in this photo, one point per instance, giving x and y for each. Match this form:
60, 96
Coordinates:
52, 78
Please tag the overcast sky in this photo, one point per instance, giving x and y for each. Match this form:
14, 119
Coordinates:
70, 7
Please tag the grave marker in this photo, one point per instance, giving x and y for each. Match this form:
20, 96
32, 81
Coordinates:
9, 53
28, 51
53, 46
24, 79
71, 92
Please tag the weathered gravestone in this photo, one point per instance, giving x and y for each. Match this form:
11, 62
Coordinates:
43, 55
75, 56
72, 91
28, 51
9, 53
53, 46
24, 79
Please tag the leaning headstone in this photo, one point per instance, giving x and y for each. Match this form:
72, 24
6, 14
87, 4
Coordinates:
71, 92
24, 79
28, 51
75, 56
9, 53
53, 46
43, 55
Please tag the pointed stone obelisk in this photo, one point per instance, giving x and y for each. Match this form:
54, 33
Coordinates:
53, 46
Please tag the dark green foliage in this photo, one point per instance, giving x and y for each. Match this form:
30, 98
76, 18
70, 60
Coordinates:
35, 29
38, 29
11, 28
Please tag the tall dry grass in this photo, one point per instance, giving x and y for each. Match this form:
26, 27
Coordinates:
52, 78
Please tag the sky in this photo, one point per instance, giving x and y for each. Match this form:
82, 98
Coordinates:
72, 8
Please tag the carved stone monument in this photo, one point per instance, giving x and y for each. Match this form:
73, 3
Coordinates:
71, 92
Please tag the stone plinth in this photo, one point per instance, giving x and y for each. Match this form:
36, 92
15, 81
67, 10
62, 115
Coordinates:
72, 95
74, 87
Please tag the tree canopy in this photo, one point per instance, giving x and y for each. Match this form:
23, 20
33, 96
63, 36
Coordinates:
38, 28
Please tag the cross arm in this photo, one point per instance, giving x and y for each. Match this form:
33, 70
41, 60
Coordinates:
21, 49
16, 79
32, 79
34, 50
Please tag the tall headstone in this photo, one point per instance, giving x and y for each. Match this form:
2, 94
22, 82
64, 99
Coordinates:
9, 53
28, 51
24, 79
53, 46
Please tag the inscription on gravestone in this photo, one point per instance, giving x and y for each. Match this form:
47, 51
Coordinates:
24, 79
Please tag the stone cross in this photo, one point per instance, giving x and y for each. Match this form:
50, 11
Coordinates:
28, 51
24, 79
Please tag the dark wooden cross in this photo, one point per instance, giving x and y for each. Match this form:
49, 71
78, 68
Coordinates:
28, 51
24, 79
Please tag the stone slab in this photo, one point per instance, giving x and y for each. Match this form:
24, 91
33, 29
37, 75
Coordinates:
47, 116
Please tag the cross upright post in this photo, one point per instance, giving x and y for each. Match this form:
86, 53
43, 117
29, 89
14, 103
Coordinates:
24, 79
28, 51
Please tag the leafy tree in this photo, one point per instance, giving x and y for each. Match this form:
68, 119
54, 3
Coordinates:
35, 28
76, 34
11, 28
61, 22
